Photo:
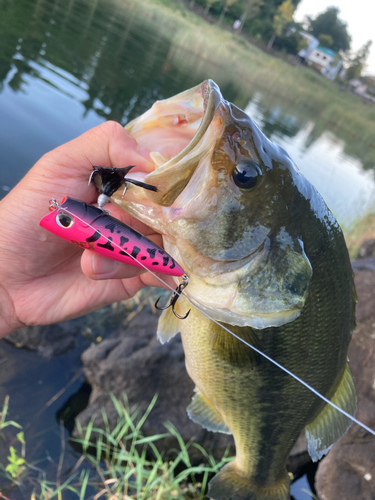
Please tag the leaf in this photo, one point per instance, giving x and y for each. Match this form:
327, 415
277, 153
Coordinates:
21, 437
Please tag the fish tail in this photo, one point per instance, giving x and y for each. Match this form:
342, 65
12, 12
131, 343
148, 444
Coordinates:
228, 484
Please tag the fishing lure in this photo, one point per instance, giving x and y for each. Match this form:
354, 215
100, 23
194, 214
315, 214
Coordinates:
92, 228
76, 219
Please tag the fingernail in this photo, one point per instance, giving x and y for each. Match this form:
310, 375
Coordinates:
103, 266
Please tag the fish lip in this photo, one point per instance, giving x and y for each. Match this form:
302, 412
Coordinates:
218, 267
211, 100
167, 177
212, 97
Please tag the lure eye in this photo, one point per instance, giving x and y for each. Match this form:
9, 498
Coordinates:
64, 220
247, 174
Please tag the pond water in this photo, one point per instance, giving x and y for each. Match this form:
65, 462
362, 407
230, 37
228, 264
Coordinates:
68, 65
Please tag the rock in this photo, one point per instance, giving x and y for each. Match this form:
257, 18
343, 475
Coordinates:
367, 249
57, 339
137, 365
364, 264
348, 471
49, 341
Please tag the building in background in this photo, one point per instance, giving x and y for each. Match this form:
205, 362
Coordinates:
325, 60
311, 42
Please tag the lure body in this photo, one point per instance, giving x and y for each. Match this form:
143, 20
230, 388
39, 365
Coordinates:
92, 229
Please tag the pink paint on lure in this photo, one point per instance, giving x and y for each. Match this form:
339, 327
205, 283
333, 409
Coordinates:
93, 229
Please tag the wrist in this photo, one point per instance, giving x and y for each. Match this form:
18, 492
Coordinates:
8, 318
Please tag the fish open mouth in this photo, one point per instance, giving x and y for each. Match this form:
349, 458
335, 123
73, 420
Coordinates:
177, 134
208, 225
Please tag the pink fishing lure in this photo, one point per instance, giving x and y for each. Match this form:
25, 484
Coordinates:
90, 228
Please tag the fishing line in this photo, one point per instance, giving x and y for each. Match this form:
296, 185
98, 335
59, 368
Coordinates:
258, 351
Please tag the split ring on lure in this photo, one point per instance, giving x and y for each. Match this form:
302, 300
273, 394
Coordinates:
91, 228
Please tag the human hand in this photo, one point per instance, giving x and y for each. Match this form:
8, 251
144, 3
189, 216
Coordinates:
44, 279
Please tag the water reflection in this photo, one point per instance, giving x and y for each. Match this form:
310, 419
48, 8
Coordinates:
65, 67
68, 65
348, 190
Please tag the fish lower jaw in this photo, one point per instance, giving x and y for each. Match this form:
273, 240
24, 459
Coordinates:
255, 320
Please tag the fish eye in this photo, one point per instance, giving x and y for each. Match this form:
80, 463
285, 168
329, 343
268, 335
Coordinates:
247, 174
64, 220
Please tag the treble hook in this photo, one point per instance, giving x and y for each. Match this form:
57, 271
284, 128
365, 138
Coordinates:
175, 297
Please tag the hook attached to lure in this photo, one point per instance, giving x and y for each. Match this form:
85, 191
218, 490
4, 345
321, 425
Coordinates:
111, 178
175, 297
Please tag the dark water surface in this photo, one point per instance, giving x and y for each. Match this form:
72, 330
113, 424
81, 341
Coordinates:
68, 65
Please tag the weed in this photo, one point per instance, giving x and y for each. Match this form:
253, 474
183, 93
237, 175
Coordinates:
119, 464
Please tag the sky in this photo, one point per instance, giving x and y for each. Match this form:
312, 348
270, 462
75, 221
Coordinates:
359, 16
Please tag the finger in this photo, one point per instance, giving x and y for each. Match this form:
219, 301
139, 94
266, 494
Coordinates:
66, 170
97, 267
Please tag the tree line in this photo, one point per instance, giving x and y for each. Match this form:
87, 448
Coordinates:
272, 22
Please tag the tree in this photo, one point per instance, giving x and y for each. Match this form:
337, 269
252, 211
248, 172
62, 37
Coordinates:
325, 41
209, 4
251, 9
328, 23
357, 61
227, 5
261, 25
283, 16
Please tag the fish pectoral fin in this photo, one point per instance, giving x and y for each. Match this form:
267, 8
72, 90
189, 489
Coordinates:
168, 325
202, 412
330, 425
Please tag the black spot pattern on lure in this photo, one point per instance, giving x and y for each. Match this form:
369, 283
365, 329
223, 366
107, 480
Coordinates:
135, 233
107, 245
151, 252
135, 251
123, 240
94, 237
147, 252
111, 226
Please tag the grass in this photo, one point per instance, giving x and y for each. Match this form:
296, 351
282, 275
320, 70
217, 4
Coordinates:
118, 464
362, 230
231, 59
203, 50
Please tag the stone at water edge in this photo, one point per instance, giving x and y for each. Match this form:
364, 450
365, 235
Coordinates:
348, 472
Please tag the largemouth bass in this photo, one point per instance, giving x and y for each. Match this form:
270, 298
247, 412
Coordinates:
266, 259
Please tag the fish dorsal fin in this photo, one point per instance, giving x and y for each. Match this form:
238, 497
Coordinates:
201, 411
168, 324
330, 425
